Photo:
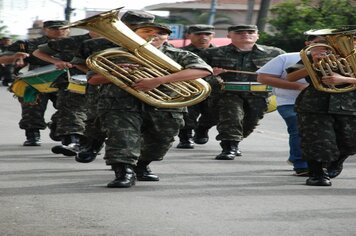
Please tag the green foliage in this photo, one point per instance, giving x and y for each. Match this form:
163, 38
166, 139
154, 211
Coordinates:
293, 17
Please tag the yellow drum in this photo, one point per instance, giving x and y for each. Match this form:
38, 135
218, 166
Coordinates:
30, 83
42, 78
77, 84
272, 104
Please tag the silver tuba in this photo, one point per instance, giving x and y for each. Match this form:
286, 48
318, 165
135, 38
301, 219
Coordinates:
152, 63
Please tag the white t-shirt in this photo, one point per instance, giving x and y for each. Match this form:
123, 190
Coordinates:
277, 66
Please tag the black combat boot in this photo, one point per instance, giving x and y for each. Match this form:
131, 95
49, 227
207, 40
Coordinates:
70, 145
124, 176
230, 150
318, 176
335, 167
33, 137
201, 135
185, 139
89, 153
144, 173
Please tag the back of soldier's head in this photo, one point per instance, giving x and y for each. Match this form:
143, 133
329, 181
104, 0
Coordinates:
132, 18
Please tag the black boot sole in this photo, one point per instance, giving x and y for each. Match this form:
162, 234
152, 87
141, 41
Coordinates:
62, 150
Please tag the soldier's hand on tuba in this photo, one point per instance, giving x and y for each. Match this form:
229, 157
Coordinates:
335, 79
146, 84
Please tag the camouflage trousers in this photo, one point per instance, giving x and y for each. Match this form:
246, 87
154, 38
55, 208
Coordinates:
71, 113
198, 115
238, 113
325, 137
32, 116
93, 130
146, 135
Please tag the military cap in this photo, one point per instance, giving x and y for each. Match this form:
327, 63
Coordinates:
154, 25
54, 23
195, 29
5, 37
137, 17
237, 28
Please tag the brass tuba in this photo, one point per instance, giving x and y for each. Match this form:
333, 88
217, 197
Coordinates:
150, 63
340, 59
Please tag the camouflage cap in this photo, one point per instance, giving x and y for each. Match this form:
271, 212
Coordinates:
195, 29
54, 23
154, 25
137, 17
237, 28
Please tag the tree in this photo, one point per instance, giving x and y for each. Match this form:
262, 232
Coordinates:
291, 18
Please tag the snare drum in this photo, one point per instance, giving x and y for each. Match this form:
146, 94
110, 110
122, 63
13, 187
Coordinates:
42, 78
245, 87
77, 84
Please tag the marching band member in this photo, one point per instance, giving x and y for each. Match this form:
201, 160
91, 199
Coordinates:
327, 123
238, 111
32, 116
137, 133
197, 118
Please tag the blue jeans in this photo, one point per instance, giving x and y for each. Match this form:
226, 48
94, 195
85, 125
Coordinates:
295, 154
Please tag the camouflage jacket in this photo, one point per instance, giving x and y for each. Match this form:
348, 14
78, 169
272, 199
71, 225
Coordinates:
230, 58
194, 49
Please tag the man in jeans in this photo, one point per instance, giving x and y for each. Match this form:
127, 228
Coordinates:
274, 73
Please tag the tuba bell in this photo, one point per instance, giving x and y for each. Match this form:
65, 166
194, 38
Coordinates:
341, 58
149, 63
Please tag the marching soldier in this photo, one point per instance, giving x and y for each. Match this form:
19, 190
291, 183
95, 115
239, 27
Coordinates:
327, 122
137, 133
94, 134
69, 124
32, 120
200, 37
238, 111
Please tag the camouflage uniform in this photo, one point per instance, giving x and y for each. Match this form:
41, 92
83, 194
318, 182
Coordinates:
238, 113
33, 114
71, 113
197, 118
327, 124
134, 129
191, 118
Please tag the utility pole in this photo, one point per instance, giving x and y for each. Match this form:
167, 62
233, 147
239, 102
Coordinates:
212, 12
68, 10
249, 15
262, 14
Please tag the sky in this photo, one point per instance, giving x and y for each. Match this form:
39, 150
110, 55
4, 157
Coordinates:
54, 10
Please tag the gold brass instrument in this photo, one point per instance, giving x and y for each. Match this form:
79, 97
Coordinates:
151, 63
340, 59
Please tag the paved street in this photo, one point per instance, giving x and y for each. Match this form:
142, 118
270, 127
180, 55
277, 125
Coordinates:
43, 194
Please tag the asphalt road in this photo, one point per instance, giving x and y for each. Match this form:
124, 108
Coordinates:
46, 194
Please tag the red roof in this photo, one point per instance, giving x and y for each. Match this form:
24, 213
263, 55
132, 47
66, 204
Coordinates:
184, 42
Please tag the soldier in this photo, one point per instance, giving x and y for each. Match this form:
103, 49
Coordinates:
32, 120
327, 124
200, 37
69, 124
93, 132
238, 111
137, 133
